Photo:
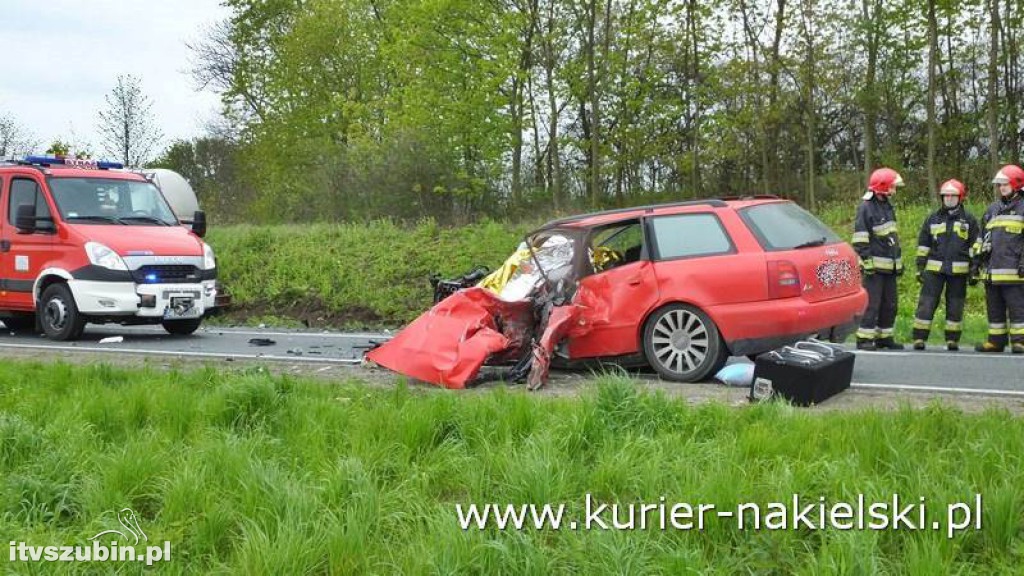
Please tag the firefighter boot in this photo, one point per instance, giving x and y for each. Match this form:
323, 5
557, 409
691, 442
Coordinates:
888, 344
865, 344
989, 346
919, 345
1017, 348
952, 345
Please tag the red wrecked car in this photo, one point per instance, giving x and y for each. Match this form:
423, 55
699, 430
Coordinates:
680, 287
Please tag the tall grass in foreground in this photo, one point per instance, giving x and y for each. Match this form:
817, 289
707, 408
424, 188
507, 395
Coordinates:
245, 473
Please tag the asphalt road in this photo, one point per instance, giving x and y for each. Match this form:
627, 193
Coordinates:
933, 370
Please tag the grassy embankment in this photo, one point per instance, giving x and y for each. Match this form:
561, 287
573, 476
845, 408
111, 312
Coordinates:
245, 473
360, 276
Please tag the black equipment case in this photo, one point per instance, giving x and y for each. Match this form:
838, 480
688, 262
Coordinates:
805, 373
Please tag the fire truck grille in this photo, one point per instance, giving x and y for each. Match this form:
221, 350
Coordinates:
166, 273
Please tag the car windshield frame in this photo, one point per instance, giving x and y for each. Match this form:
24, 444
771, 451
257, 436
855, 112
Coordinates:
107, 209
817, 232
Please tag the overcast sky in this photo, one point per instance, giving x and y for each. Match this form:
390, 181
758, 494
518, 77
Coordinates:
59, 59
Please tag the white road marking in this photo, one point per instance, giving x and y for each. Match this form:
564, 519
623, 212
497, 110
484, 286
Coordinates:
192, 354
954, 390
213, 331
957, 355
300, 334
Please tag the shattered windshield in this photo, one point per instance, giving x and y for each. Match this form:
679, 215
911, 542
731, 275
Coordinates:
110, 201
554, 255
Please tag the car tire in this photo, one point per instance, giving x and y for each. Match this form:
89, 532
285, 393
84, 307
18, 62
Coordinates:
682, 344
21, 323
58, 314
182, 327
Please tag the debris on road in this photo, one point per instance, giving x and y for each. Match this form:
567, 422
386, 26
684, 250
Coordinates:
112, 340
261, 342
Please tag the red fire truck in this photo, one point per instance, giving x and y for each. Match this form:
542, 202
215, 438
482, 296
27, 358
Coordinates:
84, 241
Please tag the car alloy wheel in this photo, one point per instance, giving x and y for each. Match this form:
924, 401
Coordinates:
682, 343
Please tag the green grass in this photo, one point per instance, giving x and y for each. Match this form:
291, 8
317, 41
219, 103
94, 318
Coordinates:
375, 274
247, 473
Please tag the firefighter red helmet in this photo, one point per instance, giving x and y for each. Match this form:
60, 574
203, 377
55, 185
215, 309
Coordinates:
953, 187
884, 181
1010, 174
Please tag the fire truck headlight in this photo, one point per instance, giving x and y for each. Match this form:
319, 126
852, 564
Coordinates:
209, 260
104, 257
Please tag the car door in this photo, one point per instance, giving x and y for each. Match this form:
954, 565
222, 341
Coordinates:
24, 254
622, 288
699, 262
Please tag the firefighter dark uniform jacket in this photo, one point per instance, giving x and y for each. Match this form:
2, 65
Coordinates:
1000, 244
945, 241
876, 238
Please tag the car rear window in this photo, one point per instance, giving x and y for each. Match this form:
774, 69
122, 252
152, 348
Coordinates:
785, 226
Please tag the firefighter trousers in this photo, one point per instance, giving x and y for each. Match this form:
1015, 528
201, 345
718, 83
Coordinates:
880, 314
1005, 304
931, 294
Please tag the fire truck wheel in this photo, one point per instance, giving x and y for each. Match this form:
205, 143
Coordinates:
59, 315
182, 327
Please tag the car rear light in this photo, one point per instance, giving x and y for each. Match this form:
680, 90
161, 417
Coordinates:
783, 279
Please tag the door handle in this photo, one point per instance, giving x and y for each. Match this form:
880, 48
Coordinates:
635, 281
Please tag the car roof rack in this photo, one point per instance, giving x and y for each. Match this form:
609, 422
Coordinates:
715, 202
753, 197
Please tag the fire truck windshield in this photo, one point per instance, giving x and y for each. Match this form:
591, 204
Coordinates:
110, 201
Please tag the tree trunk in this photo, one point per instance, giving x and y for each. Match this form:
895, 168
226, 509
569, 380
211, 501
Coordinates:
554, 161
755, 89
595, 106
695, 100
932, 57
811, 112
870, 117
516, 108
993, 97
1010, 76
773, 177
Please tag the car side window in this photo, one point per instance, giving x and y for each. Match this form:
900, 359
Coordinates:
616, 245
25, 191
689, 235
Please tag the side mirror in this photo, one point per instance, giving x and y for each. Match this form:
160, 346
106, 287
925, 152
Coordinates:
199, 223
25, 219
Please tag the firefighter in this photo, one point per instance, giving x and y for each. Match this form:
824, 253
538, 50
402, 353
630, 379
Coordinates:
876, 240
944, 262
999, 252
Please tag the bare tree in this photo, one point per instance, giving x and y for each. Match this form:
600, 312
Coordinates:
14, 139
126, 126
217, 65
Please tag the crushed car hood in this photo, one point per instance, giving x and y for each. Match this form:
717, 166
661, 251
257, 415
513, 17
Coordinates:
448, 344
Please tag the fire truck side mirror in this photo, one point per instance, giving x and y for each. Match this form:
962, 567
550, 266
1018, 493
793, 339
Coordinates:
25, 219
199, 223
